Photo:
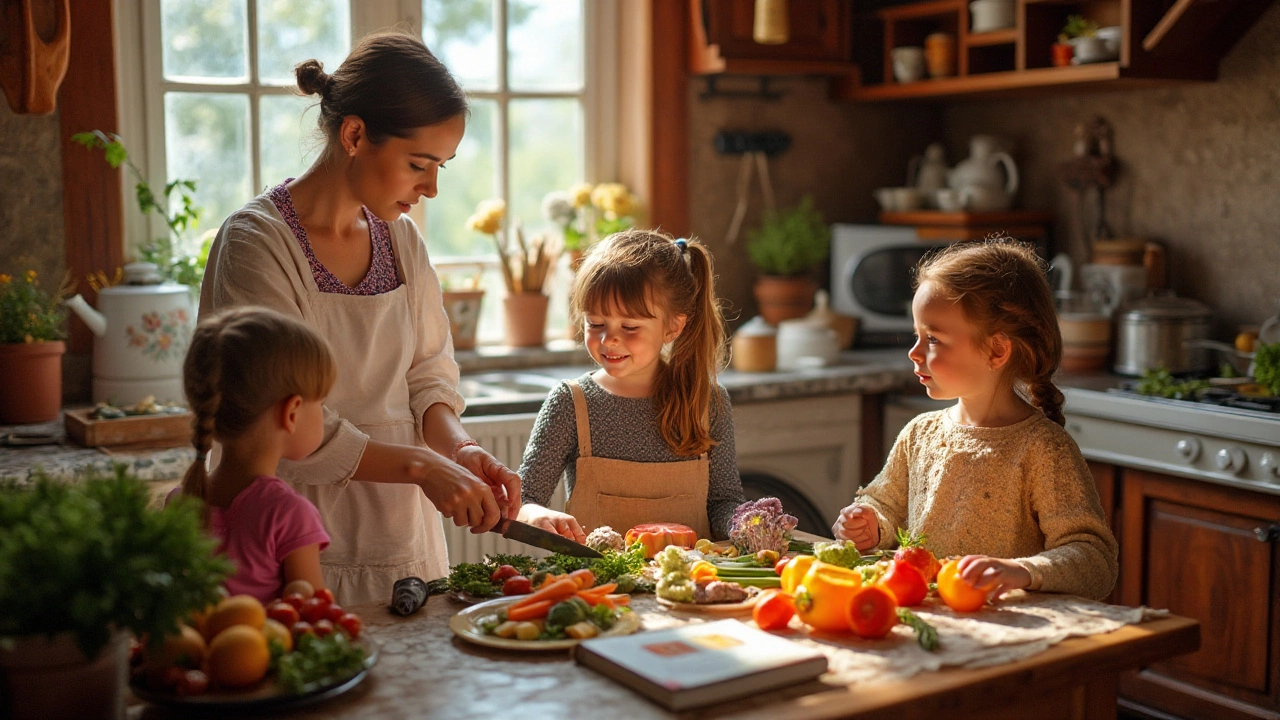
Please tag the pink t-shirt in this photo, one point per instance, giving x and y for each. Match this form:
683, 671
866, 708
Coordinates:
264, 523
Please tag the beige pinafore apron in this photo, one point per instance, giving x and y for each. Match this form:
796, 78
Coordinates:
624, 493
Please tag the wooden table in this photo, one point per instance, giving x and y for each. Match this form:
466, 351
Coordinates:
426, 672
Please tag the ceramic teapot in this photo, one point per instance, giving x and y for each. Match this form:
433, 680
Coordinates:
929, 172
978, 180
141, 328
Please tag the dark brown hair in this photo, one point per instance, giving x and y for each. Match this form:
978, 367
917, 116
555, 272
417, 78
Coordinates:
240, 363
628, 271
391, 81
1002, 288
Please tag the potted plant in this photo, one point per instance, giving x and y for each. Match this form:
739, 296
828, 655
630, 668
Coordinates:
785, 249
462, 296
83, 565
31, 349
525, 268
1075, 28
165, 252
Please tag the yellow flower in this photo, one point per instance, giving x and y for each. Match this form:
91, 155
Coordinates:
31, 276
580, 194
488, 217
5, 279
29, 339
613, 199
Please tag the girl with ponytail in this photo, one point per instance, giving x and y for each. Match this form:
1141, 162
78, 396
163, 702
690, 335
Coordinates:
255, 381
648, 436
995, 477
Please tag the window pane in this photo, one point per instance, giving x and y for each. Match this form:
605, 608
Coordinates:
465, 181
546, 154
206, 136
290, 31
460, 33
287, 135
204, 40
544, 45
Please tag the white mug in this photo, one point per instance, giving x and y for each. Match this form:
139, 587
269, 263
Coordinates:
908, 63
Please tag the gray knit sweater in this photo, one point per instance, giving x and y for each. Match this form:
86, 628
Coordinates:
623, 429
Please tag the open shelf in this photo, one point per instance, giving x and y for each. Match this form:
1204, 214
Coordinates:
1008, 36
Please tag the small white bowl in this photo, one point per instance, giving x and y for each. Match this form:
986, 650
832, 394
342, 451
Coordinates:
1111, 37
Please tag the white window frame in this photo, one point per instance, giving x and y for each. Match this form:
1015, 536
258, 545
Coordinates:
141, 89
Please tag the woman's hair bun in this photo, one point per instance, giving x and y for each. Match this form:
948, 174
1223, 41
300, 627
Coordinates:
312, 79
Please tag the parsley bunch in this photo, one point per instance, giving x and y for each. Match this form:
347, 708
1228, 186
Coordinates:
319, 661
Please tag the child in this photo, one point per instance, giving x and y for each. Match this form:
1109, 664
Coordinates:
994, 477
255, 380
649, 436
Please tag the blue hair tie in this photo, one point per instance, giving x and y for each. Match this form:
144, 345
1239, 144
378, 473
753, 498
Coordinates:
683, 244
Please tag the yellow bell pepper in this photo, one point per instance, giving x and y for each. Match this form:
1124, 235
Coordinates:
795, 571
823, 597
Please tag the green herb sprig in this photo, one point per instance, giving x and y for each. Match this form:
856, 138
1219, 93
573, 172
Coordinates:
319, 661
1266, 367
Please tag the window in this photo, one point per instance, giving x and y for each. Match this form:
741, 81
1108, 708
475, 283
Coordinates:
217, 106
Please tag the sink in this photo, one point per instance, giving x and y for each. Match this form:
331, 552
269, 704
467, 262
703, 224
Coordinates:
505, 385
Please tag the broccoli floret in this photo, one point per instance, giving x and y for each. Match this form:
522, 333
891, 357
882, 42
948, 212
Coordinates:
841, 552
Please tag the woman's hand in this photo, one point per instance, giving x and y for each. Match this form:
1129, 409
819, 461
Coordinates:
557, 522
993, 574
858, 524
455, 491
503, 481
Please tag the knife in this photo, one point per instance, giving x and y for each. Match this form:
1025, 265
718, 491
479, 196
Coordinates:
545, 539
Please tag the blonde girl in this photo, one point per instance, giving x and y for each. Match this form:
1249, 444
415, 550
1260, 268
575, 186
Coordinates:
995, 477
648, 436
255, 381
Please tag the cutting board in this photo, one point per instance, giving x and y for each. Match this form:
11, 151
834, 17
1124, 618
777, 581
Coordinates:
166, 430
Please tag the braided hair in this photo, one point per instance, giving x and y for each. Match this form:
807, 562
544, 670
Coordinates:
240, 363
1001, 286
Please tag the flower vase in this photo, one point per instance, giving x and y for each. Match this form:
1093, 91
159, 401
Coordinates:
463, 309
526, 318
30, 381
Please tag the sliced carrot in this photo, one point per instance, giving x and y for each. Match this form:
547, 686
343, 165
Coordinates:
532, 611
622, 599
556, 591
589, 599
606, 588
584, 577
608, 603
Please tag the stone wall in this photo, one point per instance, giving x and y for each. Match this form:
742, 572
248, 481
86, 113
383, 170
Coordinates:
31, 228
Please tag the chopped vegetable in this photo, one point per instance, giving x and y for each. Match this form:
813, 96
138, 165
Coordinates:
761, 525
1266, 367
1160, 383
676, 584
841, 552
582, 630
606, 538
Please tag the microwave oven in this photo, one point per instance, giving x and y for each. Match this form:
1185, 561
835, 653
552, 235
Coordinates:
872, 273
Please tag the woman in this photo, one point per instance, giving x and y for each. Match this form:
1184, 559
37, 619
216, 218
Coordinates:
333, 248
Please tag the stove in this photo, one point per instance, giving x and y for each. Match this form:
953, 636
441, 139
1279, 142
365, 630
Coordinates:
1222, 437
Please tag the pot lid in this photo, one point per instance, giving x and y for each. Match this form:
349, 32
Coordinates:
142, 273
1166, 307
756, 326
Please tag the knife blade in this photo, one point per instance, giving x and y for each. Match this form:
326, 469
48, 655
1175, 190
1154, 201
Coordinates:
545, 539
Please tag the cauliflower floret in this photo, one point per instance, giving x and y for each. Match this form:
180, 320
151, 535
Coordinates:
676, 588
841, 552
606, 538
672, 559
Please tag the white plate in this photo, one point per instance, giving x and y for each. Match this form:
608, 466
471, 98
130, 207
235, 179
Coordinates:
466, 625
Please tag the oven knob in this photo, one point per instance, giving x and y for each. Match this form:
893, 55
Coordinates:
1270, 467
1230, 459
1188, 449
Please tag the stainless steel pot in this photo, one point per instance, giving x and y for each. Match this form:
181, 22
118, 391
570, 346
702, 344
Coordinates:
1156, 332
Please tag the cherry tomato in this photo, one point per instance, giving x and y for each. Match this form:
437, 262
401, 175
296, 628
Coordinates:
906, 583
517, 585
324, 594
302, 628
781, 565
294, 599
502, 573
193, 682
956, 592
323, 628
774, 610
334, 612
351, 623
872, 611
283, 613
314, 609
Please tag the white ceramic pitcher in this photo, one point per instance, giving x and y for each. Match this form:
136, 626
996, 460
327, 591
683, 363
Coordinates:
978, 179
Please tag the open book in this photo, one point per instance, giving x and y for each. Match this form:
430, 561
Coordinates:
701, 664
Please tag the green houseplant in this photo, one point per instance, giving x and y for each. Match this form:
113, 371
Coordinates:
82, 565
164, 252
786, 248
32, 323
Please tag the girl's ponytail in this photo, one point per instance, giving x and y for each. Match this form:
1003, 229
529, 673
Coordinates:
1046, 396
684, 394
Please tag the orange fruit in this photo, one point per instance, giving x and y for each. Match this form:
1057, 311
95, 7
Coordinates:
956, 592
273, 630
237, 610
184, 648
823, 597
238, 657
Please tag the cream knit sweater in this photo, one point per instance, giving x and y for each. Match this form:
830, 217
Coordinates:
1021, 492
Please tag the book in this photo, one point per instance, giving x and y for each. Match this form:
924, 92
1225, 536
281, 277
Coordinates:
701, 664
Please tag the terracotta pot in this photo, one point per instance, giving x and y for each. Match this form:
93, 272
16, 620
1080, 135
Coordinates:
47, 678
526, 318
30, 381
783, 298
463, 309
1062, 53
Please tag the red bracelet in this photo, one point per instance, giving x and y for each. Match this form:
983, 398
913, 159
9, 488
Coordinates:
465, 443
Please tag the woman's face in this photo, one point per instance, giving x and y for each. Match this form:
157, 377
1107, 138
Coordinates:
390, 177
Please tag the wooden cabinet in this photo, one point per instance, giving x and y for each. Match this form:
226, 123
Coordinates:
1209, 553
1107, 478
721, 39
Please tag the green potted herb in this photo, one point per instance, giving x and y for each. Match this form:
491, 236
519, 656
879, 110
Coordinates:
32, 326
165, 252
83, 565
1075, 28
785, 249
